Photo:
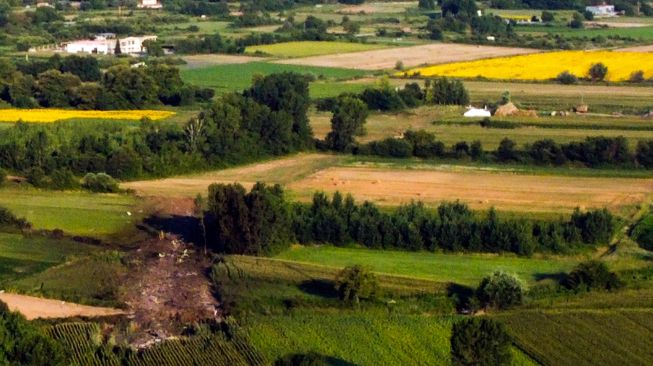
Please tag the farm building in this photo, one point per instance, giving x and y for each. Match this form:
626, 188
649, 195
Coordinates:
602, 10
149, 4
477, 112
107, 45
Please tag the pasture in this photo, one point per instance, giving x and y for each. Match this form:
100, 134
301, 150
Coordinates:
77, 213
22, 256
237, 77
310, 48
434, 53
544, 66
464, 269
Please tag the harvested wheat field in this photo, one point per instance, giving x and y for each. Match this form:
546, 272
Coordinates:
36, 307
282, 171
410, 56
647, 48
199, 61
480, 189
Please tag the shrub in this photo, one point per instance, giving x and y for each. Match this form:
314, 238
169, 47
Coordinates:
100, 183
592, 275
500, 291
567, 78
637, 77
8, 219
597, 72
62, 179
3, 177
507, 150
36, 176
356, 282
547, 16
479, 341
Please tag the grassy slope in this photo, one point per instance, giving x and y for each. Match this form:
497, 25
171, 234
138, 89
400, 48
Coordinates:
78, 213
466, 269
22, 256
226, 78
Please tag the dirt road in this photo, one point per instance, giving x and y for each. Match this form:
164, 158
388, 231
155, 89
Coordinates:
36, 307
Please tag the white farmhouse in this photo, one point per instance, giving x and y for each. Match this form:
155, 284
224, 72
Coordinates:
149, 4
477, 112
601, 10
105, 45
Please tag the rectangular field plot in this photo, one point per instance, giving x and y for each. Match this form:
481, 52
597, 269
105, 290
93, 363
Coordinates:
437, 53
480, 189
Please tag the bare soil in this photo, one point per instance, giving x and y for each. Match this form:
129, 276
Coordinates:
480, 189
36, 307
437, 53
167, 289
648, 48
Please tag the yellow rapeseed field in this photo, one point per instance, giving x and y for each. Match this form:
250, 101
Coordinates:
53, 115
543, 66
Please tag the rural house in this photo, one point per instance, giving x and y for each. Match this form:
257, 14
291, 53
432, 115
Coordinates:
602, 10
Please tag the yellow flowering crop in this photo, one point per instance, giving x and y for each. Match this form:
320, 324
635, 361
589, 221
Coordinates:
53, 115
543, 66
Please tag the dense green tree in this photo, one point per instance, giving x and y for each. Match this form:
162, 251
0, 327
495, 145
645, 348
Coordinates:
86, 68
356, 283
598, 72
348, 121
426, 4
592, 275
480, 342
55, 89
129, 88
500, 291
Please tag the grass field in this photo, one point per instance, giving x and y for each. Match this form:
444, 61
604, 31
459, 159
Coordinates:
22, 256
79, 213
544, 66
584, 337
236, 77
637, 33
310, 48
465, 269
288, 307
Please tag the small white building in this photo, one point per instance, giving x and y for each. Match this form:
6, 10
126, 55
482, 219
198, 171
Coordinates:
149, 4
104, 45
101, 47
602, 10
477, 112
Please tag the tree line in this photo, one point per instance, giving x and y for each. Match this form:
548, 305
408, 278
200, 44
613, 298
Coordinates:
593, 152
268, 119
263, 221
78, 82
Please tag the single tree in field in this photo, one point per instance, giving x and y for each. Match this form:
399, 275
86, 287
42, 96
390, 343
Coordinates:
598, 72
500, 291
348, 121
480, 342
355, 283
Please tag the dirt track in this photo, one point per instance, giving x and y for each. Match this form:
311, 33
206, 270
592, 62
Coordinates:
36, 307
506, 191
648, 48
437, 53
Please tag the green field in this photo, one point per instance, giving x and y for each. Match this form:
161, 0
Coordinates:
22, 256
78, 213
310, 48
637, 33
466, 269
578, 338
226, 78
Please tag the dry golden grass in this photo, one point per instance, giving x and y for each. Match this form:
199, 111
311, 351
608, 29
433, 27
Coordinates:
410, 56
480, 189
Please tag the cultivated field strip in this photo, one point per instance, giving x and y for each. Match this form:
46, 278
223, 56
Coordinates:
82, 341
584, 337
436, 53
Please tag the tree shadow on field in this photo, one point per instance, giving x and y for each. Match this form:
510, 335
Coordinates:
188, 228
461, 295
558, 277
318, 287
313, 359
